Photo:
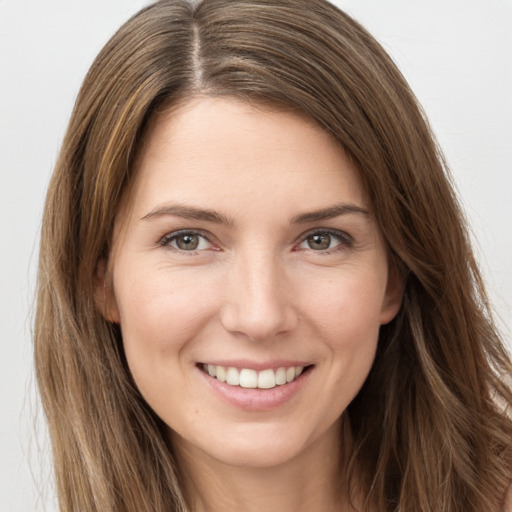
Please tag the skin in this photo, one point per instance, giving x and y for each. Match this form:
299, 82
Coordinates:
258, 288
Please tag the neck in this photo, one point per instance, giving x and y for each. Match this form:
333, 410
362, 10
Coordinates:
312, 480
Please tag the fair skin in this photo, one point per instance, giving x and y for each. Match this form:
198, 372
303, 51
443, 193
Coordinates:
248, 245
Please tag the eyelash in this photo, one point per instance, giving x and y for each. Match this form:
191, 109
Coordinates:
170, 237
345, 240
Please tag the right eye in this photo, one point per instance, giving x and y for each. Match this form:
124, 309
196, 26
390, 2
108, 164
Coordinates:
186, 241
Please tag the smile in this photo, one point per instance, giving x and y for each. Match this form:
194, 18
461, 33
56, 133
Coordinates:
249, 378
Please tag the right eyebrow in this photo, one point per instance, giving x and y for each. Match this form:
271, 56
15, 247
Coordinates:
188, 212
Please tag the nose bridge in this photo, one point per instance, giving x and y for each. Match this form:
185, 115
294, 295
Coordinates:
257, 303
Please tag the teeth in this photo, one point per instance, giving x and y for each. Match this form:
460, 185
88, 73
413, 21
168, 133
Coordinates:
267, 379
248, 378
221, 373
232, 377
281, 376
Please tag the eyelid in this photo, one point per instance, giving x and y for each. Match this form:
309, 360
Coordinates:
166, 240
344, 238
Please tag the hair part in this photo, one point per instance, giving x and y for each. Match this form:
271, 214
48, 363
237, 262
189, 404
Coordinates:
429, 428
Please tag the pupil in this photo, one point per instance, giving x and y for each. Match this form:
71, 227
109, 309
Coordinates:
188, 242
319, 242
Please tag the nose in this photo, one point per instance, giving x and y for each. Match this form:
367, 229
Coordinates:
258, 301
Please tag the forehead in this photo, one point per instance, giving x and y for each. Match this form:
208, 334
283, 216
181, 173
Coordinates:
223, 152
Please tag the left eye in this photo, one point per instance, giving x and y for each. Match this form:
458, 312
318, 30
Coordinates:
321, 241
186, 241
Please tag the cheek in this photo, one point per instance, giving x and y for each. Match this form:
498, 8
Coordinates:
159, 317
348, 309
346, 317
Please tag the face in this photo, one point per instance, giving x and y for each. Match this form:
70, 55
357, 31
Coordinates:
249, 279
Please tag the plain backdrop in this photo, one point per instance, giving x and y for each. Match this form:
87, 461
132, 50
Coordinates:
456, 54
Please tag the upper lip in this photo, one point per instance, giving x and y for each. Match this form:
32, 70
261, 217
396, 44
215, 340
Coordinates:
254, 365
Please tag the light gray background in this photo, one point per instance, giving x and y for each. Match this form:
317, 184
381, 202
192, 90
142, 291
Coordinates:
457, 55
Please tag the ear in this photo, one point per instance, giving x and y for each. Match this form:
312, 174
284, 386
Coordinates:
104, 293
393, 296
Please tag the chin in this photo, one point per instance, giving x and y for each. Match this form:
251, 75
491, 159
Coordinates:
257, 455
257, 445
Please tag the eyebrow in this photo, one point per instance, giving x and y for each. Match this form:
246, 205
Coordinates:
188, 212
329, 213
193, 213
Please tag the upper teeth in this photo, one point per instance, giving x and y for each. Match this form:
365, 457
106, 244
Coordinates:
248, 378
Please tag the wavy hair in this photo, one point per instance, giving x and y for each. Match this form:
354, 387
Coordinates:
430, 425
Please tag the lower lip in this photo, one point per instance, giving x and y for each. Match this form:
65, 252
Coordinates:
254, 399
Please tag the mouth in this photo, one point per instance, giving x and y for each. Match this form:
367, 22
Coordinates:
253, 379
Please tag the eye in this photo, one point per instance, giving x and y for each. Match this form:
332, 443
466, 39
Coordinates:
186, 241
325, 240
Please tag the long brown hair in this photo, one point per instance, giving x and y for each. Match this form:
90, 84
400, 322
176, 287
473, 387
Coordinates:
430, 426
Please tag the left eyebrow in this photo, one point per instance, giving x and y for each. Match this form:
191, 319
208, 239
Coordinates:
329, 213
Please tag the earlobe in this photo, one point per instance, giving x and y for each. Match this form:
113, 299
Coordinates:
104, 293
393, 296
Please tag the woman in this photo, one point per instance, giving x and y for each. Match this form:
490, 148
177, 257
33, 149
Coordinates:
256, 289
